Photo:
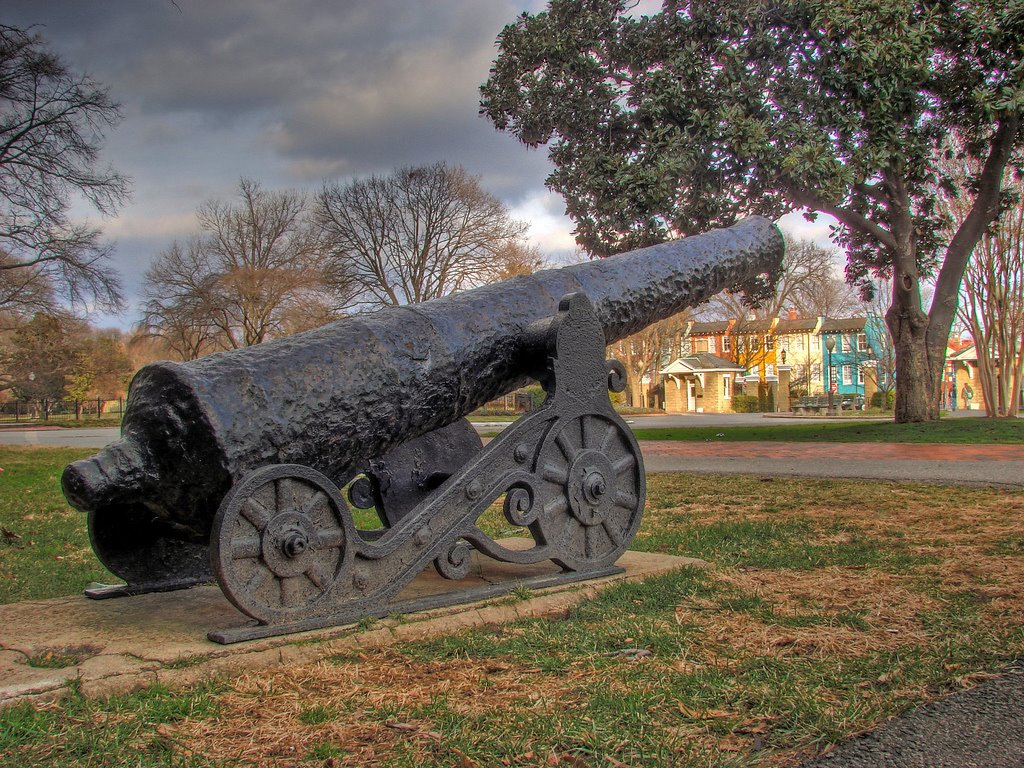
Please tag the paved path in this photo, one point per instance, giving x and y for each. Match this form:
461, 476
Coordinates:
979, 728
997, 465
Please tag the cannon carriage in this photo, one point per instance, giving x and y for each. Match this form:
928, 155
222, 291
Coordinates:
233, 466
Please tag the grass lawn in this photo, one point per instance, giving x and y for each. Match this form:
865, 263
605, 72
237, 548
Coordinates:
832, 606
964, 431
44, 547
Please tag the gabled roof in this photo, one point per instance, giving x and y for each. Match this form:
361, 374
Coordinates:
966, 353
705, 329
838, 325
701, 362
802, 325
753, 326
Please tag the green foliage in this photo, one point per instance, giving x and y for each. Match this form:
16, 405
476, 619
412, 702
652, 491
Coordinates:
876, 399
687, 119
745, 404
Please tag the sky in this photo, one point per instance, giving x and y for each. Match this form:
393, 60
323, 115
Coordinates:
292, 94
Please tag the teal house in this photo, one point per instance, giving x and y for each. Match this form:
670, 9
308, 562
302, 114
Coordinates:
857, 345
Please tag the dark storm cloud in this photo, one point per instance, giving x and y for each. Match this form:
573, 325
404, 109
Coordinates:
287, 93
336, 87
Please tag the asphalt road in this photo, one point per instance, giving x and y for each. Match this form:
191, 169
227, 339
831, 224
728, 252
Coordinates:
97, 438
769, 461
979, 728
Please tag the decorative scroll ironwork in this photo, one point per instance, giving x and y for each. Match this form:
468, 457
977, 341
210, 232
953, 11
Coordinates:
285, 548
255, 446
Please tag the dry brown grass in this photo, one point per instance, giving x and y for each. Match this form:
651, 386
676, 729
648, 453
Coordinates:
380, 703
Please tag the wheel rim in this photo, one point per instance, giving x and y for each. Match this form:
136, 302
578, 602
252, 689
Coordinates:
594, 490
281, 543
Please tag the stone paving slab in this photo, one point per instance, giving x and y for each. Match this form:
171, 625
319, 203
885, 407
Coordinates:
118, 645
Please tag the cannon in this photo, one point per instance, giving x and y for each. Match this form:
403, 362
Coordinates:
243, 465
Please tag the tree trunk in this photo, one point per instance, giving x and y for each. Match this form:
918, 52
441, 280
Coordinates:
917, 383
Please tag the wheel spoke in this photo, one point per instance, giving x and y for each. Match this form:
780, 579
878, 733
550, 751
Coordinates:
312, 501
554, 473
291, 592
256, 513
609, 435
318, 579
626, 500
588, 540
256, 582
332, 538
285, 488
557, 506
565, 444
614, 534
626, 462
246, 548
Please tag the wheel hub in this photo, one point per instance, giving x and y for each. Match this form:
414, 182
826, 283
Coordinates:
288, 542
591, 480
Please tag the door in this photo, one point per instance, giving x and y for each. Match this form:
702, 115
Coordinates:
691, 396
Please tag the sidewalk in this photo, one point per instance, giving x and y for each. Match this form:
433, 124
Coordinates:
987, 464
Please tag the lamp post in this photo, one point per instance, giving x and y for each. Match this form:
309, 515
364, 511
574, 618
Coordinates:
830, 344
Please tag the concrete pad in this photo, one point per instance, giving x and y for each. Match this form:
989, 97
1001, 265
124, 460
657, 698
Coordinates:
123, 644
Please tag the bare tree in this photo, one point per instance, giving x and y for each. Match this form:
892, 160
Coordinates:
24, 290
643, 353
884, 372
991, 302
181, 299
417, 234
51, 130
808, 284
234, 284
992, 307
815, 289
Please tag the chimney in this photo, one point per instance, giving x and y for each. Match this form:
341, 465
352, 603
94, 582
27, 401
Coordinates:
793, 315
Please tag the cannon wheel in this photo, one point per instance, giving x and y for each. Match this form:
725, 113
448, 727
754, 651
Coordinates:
596, 487
281, 542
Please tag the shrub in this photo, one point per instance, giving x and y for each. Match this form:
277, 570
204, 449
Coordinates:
876, 400
745, 404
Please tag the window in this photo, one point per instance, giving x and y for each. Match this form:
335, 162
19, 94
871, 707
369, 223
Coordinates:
711, 344
741, 344
785, 343
847, 379
755, 343
685, 347
799, 343
727, 386
769, 370
816, 371
862, 342
858, 375
769, 343
726, 344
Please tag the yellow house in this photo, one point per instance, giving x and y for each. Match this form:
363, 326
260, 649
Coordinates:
798, 341
700, 383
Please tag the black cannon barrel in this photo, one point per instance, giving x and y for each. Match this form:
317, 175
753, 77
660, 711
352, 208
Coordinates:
336, 396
